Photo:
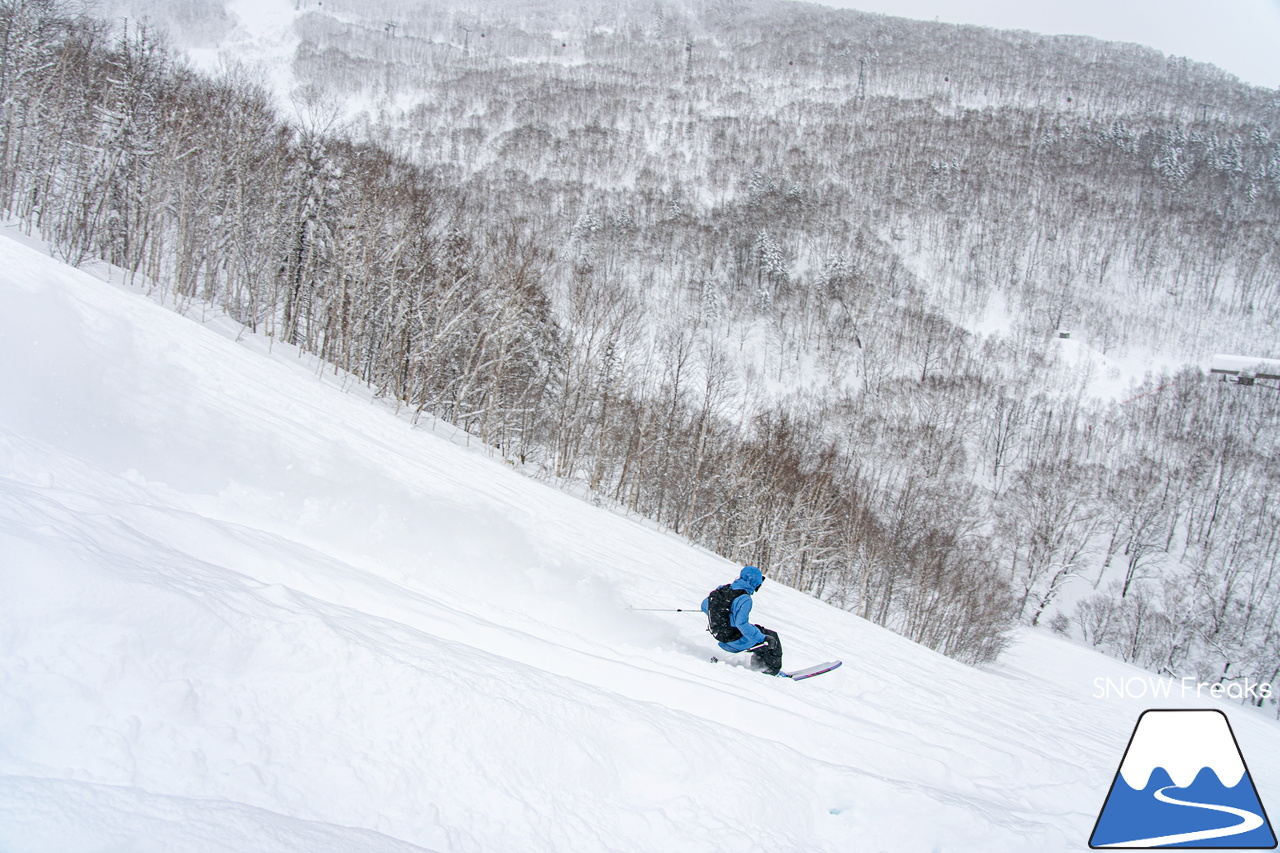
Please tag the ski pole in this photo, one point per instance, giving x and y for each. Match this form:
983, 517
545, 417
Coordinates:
668, 609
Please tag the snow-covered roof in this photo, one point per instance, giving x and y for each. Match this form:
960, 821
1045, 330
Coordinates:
1263, 368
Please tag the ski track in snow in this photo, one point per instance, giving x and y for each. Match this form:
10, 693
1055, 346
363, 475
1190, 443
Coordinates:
241, 608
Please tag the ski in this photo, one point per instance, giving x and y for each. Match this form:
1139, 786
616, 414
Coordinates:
796, 675
810, 672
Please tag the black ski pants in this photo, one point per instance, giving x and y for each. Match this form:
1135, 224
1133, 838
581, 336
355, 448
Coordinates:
767, 657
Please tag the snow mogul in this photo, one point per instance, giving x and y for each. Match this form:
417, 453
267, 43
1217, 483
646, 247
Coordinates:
728, 610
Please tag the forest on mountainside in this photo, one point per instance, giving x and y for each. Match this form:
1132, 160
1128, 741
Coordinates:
785, 280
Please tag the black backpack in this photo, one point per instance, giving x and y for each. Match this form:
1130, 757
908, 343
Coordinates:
719, 609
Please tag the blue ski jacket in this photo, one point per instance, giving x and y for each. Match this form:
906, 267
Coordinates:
748, 581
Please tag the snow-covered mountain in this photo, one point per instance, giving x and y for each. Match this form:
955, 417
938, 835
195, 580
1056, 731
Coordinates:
243, 606
895, 310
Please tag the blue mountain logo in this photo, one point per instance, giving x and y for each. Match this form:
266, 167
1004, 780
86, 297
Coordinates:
1183, 783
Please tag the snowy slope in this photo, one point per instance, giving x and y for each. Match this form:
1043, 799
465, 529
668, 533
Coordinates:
262, 37
243, 607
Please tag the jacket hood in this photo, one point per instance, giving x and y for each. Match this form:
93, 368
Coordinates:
749, 579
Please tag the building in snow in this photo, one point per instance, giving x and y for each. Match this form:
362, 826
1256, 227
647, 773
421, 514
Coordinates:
1246, 368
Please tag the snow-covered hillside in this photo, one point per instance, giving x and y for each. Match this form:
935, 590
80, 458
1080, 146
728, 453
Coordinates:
244, 607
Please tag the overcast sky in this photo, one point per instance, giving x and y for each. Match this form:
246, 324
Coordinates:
1241, 36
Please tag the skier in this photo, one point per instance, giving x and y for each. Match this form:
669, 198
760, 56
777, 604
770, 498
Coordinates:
728, 610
